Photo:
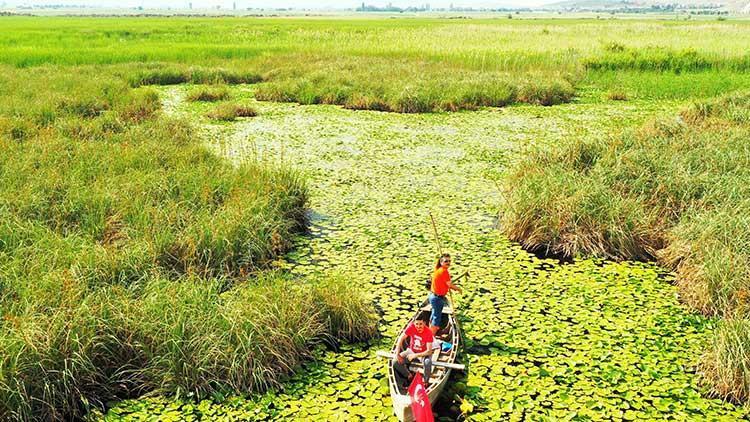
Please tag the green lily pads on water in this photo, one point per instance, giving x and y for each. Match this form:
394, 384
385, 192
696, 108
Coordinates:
589, 340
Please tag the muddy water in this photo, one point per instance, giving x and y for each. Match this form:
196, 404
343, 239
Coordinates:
545, 341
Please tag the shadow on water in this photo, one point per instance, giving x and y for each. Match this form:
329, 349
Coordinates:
447, 408
318, 225
543, 252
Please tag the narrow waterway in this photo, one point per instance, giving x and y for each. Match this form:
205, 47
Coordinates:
546, 341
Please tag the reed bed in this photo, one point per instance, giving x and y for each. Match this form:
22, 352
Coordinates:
399, 65
410, 87
132, 259
187, 337
174, 75
619, 58
674, 190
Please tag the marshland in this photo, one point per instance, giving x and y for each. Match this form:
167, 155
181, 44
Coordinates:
224, 218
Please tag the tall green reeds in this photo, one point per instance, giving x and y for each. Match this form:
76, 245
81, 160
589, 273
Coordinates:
133, 260
398, 65
664, 60
675, 190
411, 87
186, 336
173, 75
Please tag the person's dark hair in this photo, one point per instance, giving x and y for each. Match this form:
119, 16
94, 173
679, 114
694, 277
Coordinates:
445, 255
424, 317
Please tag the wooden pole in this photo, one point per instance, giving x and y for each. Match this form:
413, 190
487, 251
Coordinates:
437, 236
462, 276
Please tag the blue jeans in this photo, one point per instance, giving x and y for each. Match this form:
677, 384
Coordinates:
437, 303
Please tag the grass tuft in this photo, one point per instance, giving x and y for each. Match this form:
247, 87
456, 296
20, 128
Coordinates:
229, 112
347, 316
726, 368
209, 94
617, 95
546, 93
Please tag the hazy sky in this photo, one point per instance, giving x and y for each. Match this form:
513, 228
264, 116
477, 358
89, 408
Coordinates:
301, 4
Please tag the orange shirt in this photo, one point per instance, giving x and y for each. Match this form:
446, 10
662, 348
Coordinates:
441, 282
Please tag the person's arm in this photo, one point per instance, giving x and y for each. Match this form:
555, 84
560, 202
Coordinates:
427, 352
451, 286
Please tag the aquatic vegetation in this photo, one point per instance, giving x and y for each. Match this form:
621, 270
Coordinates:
673, 190
353, 387
592, 339
130, 254
412, 87
132, 259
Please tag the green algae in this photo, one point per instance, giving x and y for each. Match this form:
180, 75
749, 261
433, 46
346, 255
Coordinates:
588, 340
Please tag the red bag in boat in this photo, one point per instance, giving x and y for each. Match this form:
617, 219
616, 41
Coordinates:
420, 403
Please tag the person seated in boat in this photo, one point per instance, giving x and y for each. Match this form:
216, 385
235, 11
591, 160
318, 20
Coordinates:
420, 347
440, 286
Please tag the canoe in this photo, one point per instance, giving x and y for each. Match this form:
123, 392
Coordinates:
450, 333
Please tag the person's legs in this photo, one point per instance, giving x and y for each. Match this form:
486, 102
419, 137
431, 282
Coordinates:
402, 369
437, 312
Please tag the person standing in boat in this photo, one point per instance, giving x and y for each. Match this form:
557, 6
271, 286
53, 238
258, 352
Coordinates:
420, 347
440, 286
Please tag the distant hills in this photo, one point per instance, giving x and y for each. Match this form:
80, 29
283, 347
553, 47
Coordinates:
737, 6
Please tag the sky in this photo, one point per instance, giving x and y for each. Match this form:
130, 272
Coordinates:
297, 4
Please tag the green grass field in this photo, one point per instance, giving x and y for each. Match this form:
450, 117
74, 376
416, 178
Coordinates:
154, 195
407, 65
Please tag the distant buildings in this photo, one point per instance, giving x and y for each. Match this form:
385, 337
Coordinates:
627, 6
427, 8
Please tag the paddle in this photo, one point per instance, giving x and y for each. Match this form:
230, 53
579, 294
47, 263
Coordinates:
384, 354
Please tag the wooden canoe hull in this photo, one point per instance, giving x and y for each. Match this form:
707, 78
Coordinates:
399, 397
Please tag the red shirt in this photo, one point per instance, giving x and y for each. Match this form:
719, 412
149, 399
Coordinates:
441, 282
418, 341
